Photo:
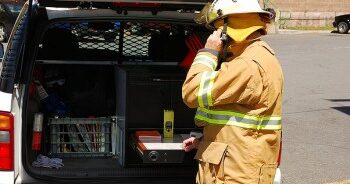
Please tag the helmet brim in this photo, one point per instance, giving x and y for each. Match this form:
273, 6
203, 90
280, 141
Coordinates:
209, 14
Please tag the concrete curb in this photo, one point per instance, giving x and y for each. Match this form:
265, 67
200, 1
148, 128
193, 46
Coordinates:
290, 31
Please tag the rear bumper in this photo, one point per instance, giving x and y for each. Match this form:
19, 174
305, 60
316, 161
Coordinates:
334, 24
7, 177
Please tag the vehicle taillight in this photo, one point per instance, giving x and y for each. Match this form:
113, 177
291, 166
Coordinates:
135, 5
6, 142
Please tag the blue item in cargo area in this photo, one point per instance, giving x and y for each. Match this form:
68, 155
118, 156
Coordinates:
53, 104
44, 161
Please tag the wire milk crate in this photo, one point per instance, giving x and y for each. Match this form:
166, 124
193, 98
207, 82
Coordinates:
81, 137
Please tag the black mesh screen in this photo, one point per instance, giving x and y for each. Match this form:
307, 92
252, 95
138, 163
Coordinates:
117, 40
96, 35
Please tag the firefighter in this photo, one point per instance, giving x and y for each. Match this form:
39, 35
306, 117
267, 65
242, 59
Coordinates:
239, 103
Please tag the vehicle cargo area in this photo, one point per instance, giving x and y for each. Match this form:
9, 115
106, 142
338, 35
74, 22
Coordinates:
105, 100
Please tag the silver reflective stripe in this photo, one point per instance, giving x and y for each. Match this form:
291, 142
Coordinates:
237, 119
205, 60
205, 89
206, 79
200, 90
4, 136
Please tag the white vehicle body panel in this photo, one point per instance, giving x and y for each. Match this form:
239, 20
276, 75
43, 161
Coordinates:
17, 113
7, 177
5, 101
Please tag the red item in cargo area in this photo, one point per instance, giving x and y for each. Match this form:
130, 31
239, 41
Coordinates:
36, 142
187, 62
193, 44
38, 75
37, 131
148, 136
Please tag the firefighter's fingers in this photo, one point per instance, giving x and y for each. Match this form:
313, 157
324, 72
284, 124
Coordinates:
217, 33
189, 148
188, 141
188, 144
214, 41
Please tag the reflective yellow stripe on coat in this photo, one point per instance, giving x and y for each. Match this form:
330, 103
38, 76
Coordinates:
205, 89
222, 117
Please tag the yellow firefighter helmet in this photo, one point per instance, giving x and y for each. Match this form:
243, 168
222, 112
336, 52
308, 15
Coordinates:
222, 8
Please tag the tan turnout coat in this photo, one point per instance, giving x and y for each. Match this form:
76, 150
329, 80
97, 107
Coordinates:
249, 83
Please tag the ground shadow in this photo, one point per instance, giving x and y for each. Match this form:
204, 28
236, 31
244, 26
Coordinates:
343, 109
334, 31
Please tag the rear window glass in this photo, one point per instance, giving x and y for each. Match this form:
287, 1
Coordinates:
121, 41
14, 8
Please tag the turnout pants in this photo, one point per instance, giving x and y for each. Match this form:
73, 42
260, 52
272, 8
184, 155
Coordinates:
230, 155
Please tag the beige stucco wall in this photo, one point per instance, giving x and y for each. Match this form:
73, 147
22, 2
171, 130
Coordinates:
314, 13
313, 5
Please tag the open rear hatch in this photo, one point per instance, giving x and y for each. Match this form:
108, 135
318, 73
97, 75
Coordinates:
157, 5
105, 95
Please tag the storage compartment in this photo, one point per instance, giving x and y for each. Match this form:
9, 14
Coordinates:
149, 90
95, 96
145, 92
162, 151
81, 137
96, 130
78, 111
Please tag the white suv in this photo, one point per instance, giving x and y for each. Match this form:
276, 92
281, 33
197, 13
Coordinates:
80, 79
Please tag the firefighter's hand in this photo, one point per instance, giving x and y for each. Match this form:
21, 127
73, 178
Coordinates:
190, 144
214, 41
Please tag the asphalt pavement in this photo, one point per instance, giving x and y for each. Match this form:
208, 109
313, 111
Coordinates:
316, 106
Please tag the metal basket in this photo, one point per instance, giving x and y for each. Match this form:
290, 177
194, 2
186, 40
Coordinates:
81, 137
